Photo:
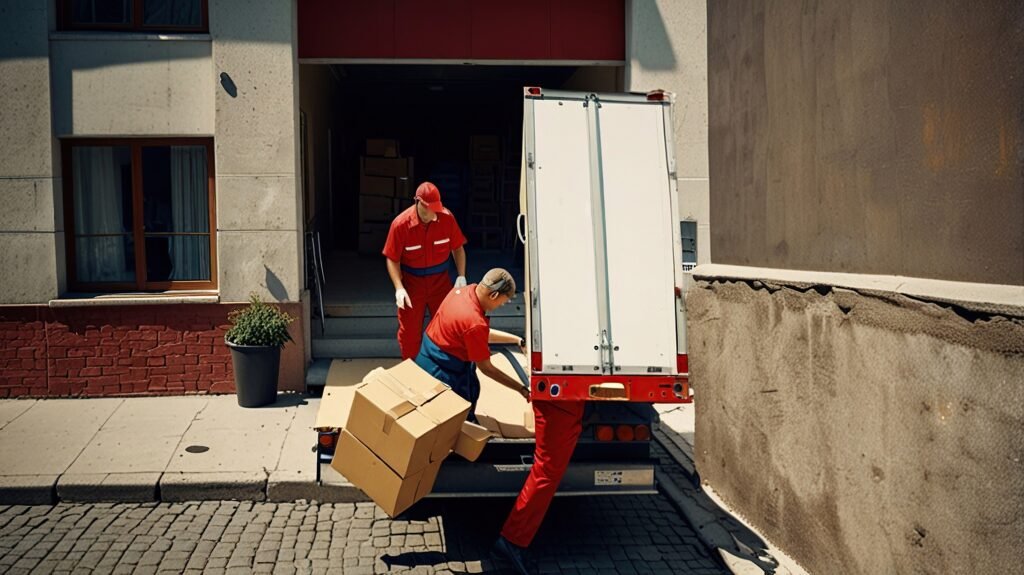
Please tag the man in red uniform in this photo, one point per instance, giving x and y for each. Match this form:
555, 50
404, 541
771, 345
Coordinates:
456, 341
558, 426
420, 242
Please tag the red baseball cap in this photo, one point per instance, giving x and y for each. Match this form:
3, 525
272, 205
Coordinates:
430, 195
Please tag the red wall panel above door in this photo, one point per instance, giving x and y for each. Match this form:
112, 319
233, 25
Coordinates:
583, 30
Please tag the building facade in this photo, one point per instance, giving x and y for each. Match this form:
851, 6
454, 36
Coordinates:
162, 161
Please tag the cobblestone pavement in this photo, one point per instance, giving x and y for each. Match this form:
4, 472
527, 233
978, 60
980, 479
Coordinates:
624, 534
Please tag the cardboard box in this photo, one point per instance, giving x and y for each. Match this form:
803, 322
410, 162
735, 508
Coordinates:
342, 378
383, 186
406, 417
484, 149
382, 148
500, 409
389, 490
376, 209
372, 237
472, 440
393, 167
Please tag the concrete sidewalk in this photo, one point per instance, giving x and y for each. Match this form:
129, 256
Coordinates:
162, 448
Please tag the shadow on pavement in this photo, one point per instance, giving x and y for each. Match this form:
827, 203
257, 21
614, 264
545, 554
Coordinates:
630, 534
716, 527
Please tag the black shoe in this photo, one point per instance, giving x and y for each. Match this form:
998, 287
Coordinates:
511, 553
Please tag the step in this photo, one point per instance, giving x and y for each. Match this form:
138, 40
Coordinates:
387, 327
387, 309
316, 374
352, 348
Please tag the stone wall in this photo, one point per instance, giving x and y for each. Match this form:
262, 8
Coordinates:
863, 432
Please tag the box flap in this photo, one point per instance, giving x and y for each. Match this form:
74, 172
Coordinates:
472, 440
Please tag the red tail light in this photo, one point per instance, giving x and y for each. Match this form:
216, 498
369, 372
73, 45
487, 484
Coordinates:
604, 433
328, 440
624, 433
682, 363
659, 96
532, 91
536, 361
642, 433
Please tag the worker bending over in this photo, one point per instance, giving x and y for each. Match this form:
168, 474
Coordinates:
420, 242
456, 341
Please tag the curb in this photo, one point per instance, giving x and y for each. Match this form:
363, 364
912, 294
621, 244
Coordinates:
172, 487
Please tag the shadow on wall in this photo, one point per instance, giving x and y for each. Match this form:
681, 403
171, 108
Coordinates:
650, 42
275, 286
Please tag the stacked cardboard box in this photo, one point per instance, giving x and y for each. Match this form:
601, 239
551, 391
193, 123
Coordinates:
401, 426
484, 228
384, 180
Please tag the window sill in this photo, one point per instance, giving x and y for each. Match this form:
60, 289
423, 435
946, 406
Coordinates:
104, 35
166, 298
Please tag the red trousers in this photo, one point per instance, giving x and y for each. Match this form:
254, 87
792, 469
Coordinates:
425, 292
558, 427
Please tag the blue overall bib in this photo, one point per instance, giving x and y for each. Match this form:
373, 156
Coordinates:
455, 373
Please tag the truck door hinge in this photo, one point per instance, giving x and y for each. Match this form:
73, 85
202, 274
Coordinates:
529, 160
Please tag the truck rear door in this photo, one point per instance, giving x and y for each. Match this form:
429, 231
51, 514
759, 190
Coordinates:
604, 255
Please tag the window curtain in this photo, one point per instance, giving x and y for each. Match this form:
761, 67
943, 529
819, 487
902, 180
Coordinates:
101, 11
174, 12
99, 210
189, 213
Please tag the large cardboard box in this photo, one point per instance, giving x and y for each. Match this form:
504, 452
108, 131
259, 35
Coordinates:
383, 186
376, 209
382, 148
389, 490
393, 167
406, 417
500, 409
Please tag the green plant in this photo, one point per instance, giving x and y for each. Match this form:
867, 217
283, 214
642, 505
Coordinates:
259, 323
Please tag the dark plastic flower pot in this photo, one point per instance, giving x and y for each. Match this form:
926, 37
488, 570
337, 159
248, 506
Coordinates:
256, 368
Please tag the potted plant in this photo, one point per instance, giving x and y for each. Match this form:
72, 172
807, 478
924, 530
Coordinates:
257, 334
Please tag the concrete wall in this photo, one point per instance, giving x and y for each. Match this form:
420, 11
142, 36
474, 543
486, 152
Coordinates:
259, 240
861, 430
106, 85
863, 433
666, 48
31, 221
873, 137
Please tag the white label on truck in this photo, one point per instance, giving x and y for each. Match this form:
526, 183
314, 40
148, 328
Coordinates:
624, 477
512, 468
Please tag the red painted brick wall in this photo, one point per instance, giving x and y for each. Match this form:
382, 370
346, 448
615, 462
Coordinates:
123, 350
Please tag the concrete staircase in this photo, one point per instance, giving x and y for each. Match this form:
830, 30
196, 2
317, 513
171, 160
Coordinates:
369, 331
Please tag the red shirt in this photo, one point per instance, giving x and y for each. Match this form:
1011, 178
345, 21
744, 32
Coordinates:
416, 244
460, 327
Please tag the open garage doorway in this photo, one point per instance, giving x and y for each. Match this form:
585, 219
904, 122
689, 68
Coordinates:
371, 133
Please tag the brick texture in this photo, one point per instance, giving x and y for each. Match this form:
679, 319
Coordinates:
122, 350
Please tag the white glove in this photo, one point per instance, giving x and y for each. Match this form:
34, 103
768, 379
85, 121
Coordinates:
402, 299
460, 282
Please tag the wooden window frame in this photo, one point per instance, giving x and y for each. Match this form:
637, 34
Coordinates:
141, 284
66, 22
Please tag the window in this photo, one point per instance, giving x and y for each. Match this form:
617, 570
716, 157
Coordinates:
135, 15
688, 234
139, 214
